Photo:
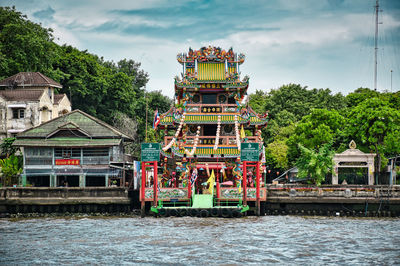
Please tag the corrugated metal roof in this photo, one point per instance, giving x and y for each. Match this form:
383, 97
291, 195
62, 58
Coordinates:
93, 126
66, 142
29, 79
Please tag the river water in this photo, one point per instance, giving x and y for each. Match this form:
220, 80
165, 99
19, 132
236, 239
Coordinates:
200, 241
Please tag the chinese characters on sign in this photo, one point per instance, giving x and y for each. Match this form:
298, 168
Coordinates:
210, 86
211, 109
68, 162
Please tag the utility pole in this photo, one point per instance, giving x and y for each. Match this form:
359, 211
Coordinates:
376, 44
145, 98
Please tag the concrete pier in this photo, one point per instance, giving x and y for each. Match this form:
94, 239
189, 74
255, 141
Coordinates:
67, 199
329, 200
333, 200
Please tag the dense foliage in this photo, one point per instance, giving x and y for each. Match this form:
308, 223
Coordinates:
314, 166
98, 87
10, 169
313, 118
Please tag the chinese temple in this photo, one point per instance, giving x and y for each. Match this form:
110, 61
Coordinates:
201, 172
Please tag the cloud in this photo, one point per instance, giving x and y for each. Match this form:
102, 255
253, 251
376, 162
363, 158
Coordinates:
45, 14
311, 42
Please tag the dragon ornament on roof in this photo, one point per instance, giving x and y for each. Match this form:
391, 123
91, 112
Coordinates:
210, 54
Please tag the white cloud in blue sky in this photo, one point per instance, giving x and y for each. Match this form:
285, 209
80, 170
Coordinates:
316, 43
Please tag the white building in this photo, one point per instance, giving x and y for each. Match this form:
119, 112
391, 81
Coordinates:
28, 99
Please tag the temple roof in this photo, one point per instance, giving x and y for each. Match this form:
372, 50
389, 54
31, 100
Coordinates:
210, 64
251, 117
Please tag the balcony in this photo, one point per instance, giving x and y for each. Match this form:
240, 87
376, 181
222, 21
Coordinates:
210, 108
210, 140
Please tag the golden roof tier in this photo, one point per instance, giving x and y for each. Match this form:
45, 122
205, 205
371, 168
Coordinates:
210, 118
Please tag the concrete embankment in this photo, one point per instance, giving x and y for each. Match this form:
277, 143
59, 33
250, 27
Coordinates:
331, 200
62, 200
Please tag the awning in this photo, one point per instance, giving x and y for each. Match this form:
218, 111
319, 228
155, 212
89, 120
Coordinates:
66, 142
15, 130
74, 171
17, 105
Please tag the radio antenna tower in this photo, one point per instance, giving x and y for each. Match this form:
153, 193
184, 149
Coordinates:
376, 44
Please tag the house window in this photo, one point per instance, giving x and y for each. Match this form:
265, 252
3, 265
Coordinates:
38, 156
66, 153
96, 155
18, 113
50, 94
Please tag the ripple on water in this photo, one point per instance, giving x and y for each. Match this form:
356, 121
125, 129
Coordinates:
180, 241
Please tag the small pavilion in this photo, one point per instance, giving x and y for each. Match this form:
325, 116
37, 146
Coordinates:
354, 158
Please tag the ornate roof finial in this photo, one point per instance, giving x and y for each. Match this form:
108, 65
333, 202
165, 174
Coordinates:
352, 145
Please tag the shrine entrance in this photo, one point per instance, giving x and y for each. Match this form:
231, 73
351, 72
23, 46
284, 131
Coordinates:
352, 176
354, 159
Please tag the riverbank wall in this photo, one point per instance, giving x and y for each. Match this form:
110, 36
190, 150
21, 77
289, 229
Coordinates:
64, 200
328, 200
333, 200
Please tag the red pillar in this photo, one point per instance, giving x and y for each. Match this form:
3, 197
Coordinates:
244, 179
155, 184
258, 180
189, 187
142, 189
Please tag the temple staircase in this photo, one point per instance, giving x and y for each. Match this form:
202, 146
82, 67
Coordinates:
202, 201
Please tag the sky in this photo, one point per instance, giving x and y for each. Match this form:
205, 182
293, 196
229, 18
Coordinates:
314, 43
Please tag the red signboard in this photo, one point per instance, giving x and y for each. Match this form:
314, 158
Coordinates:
68, 162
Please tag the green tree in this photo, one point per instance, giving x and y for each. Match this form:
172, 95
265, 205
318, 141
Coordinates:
300, 101
10, 169
375, 125
24, 45
321, 126
276, 154
257, 101
314, 166
95, 86
359, 95
6, 148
